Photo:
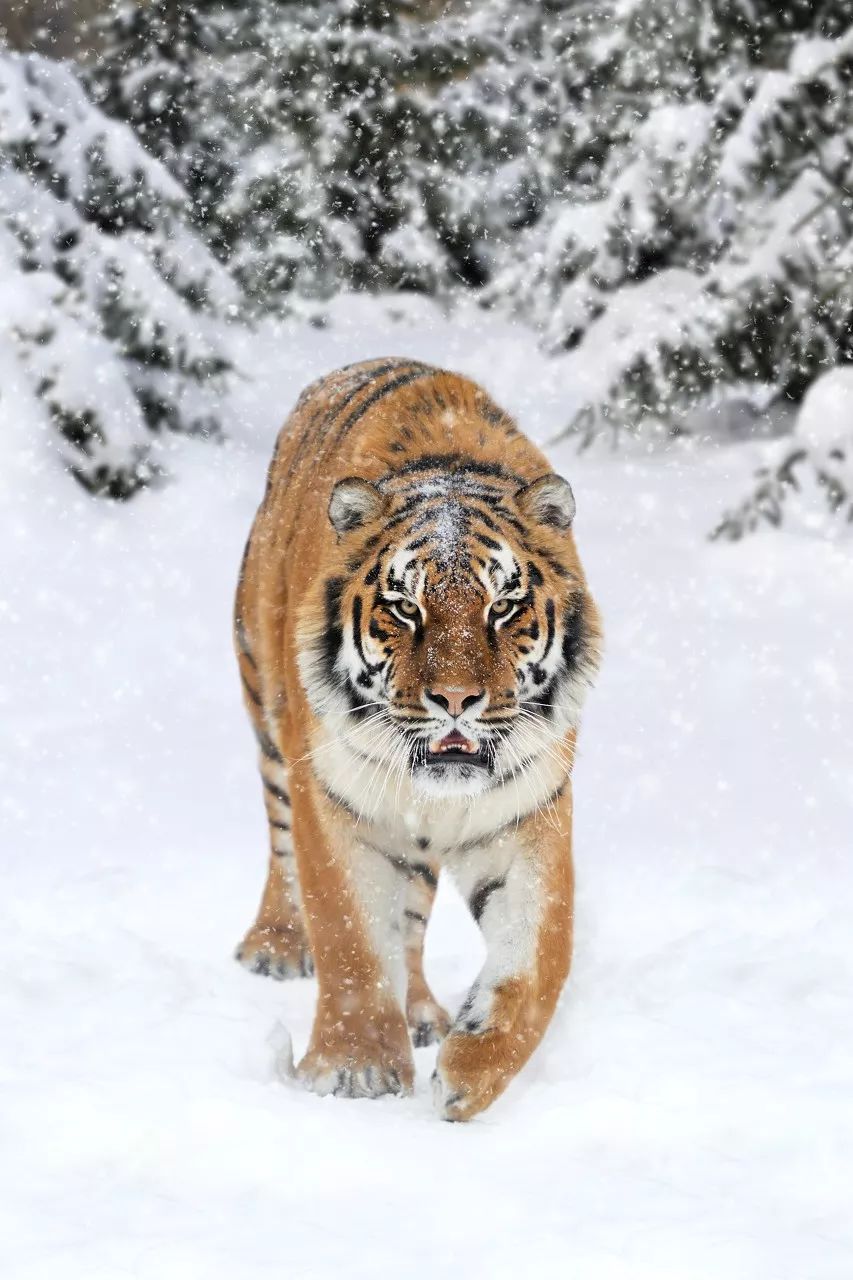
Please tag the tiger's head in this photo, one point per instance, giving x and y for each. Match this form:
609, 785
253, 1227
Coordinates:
458, 639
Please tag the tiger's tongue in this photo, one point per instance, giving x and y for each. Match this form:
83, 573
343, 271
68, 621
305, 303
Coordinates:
454, 741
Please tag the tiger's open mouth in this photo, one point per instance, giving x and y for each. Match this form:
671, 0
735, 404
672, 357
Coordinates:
455, 748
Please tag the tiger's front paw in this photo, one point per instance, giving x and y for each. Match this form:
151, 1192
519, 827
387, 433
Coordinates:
365, 1060
350, 1079
472, 1070
277, 953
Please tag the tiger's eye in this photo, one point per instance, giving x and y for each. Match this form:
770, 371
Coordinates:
408, 608
501, 608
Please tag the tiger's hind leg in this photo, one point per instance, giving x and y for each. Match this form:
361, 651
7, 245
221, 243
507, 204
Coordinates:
428, 1022
277, 943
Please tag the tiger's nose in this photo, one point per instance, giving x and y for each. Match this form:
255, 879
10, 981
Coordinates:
455, 698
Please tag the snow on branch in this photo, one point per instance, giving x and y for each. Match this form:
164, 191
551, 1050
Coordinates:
110, 302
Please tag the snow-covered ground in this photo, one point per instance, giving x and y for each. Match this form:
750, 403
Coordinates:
690, 1114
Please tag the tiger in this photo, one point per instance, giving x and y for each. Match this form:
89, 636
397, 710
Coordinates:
415, 639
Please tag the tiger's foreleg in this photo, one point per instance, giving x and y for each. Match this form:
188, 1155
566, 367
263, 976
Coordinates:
353, 900
427, 1020
522, 900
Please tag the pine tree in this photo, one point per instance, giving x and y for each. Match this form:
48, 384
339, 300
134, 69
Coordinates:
161, 68
769, 236
110, 300
635, 79
353, 160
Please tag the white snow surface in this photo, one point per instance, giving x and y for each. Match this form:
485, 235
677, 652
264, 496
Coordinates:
824, 420
690, 1113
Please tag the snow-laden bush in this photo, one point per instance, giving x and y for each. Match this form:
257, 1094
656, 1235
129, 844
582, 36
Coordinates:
108, 302
721, 234
711, 258
642, 213
812, 472
164, 67
312, 139
776, 298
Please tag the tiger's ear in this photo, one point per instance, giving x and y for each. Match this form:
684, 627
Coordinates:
549, 500
353, 503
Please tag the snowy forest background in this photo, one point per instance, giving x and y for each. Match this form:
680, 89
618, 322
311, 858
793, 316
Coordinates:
662, 189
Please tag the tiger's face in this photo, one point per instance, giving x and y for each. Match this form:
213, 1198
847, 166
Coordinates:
460, 642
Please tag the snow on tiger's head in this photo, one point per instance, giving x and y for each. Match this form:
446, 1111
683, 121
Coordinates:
457, 635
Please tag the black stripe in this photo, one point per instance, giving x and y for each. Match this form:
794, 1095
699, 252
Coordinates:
531, 632
377, 633
240, 632
552, 562
492, 414
465, 1010
457, 474
513, 582
371, 667
244, 559
356, 629
309, 434
426, 873
276, 792
393, 385
488, 542
485, 519
253, 694
574, 633
342, 804
333, 635
420, 506
479, 898
512, 520
398, 863
268, 747
356, 562
368, 376
456, 462
410, 869
549, 617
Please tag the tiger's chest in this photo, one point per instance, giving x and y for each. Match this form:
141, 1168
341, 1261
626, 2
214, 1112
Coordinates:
389, 813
